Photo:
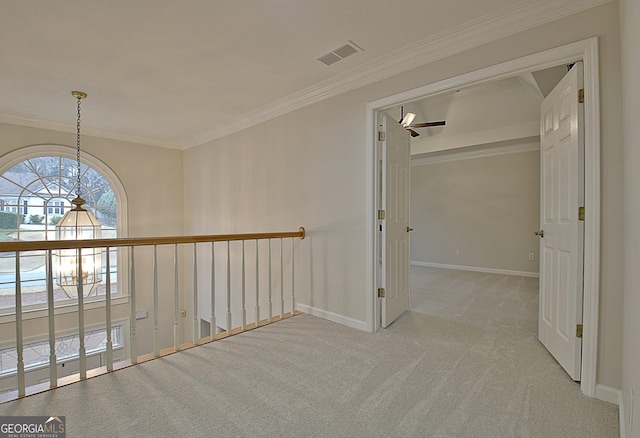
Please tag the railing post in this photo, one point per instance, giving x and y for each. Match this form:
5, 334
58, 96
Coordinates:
132, 293
228, 288
156, 333
176, 301
19, 335
83, 351
293, 277
244, 308
108, 311
196, 336
257, 283
53, 361
270, 315
214, 327
281, 278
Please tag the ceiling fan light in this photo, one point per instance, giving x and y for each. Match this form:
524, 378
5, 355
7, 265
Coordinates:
407, 119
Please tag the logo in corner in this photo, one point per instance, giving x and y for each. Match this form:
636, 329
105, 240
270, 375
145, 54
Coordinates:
33, 427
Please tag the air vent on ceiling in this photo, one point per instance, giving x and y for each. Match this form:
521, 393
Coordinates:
340, 53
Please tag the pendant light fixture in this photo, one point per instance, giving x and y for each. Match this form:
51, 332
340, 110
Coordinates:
79, 269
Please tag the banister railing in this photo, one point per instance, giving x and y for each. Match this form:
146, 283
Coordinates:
18, 246
237, 295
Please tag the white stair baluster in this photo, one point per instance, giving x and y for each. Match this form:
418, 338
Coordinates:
53, 366
270, 315
19, 335
228, 288
132, 301
108, 311
281, 278
82, 349
156, 307
176, 301
257, 283
214, 326
244, 308
196, 334
293, 276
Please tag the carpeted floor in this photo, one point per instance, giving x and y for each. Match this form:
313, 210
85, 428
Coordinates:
425, 376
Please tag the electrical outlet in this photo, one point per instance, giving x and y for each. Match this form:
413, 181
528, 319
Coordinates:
532, 256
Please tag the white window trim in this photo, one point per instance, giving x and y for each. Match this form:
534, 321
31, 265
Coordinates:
10, 159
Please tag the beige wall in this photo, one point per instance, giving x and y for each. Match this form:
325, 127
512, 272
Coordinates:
152, 178
308, 168
630, 16
487, 208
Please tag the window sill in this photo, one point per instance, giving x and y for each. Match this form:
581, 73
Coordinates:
61, 309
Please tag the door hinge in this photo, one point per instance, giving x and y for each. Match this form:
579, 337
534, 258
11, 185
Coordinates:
581, 213
381, 214
581, 95
382, 136
381, 292
579, 331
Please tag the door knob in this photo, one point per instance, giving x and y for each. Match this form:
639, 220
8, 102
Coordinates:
539, 233
409, 229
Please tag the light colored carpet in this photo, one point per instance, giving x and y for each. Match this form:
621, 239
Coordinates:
425, 376
489, 301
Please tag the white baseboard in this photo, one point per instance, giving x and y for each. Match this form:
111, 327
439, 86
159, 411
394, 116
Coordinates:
608, 394
478, 269
334, 317
612, 395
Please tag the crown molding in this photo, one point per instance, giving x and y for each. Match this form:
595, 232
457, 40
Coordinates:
483, 30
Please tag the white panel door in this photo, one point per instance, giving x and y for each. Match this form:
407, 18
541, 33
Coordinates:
395, 226
561, 245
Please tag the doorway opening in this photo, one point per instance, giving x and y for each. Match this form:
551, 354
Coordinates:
586, 51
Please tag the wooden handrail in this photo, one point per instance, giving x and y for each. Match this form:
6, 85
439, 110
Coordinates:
140, 241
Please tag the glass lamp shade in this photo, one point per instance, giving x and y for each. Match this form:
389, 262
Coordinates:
79, 224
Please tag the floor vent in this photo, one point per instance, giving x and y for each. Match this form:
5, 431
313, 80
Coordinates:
340, 53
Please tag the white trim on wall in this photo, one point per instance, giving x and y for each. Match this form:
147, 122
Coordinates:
587, 51
477, 269
614, 396
334, 317
609, 394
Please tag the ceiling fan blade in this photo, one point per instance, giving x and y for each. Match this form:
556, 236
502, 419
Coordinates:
427, 124
413, 133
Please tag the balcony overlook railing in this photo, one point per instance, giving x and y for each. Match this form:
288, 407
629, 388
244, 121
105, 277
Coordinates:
226, 283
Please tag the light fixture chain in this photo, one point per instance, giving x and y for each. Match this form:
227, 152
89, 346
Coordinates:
78, 148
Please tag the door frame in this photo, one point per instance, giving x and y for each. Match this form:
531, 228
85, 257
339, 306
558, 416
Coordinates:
586, 51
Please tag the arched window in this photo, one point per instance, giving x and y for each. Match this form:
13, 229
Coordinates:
37, 185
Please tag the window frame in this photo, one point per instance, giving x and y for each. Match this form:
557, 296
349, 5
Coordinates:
9, 160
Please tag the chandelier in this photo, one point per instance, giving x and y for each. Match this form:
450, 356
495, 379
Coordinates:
81, 268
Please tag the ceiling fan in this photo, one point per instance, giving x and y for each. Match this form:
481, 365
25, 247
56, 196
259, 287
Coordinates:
407, 123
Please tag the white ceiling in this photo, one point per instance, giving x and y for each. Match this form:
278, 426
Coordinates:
180, 73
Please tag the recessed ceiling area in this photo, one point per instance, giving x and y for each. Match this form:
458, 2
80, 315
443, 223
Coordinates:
497, 113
